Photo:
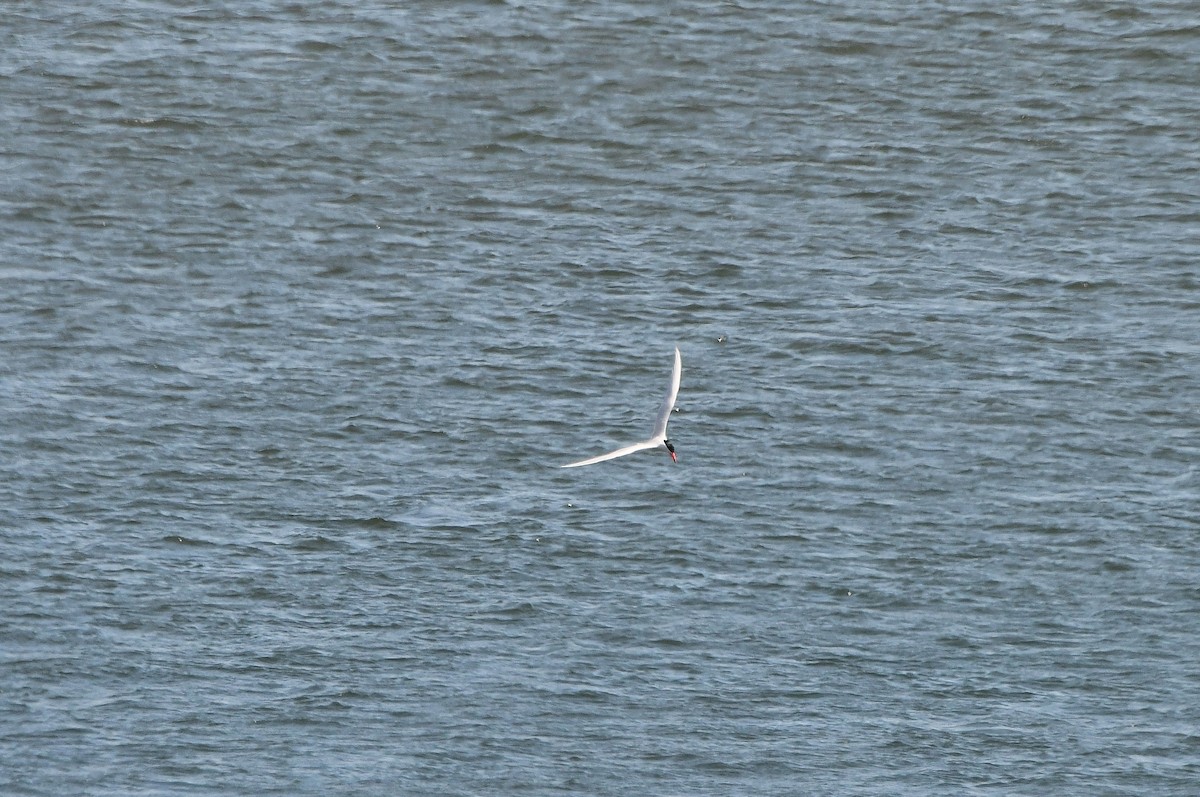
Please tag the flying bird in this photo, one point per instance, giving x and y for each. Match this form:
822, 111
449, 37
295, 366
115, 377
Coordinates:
659, 438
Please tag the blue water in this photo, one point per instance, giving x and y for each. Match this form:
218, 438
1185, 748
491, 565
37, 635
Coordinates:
303, 305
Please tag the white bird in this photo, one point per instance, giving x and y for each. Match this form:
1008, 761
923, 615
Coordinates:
659, 438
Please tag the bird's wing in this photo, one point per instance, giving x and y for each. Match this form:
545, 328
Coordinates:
620, 452
664, 412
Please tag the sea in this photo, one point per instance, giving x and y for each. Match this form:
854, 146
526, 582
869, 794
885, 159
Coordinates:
303, 305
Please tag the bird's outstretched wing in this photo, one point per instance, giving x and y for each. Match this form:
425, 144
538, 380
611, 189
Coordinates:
620, 452
664, 412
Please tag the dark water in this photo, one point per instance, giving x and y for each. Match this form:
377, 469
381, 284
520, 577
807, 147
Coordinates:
303, 304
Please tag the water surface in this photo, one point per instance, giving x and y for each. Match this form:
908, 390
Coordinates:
302, 305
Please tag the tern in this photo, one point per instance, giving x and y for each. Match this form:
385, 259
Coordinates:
659, 438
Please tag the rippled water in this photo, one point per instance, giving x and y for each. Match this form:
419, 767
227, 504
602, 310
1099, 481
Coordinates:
302, 305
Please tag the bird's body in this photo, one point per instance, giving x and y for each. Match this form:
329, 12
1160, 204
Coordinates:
659, 438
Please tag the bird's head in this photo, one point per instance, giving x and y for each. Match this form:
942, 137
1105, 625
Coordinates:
670, 450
